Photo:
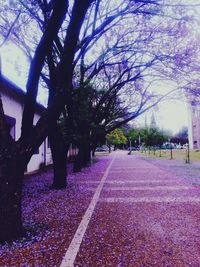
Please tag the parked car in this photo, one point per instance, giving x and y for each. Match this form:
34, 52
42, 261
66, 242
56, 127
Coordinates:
167, 146
179, 146
133, 148
102, 149
185, 146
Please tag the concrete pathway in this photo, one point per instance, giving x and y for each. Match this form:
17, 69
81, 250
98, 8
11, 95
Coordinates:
140, 215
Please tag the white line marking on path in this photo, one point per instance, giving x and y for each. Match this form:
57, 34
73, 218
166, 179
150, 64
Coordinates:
144, 188
72, 251
163, 181
151, 200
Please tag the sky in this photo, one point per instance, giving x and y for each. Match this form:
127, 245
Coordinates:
15, 66
171, 115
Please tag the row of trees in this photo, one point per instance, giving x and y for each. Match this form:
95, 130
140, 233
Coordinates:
153, 136
146, 136
98, 61
181, 137
138, 137
117, 138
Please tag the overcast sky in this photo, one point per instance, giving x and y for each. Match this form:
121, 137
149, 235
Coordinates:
171, 115
16, 67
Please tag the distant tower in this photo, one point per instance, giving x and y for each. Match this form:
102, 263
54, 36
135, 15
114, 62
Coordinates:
153, 121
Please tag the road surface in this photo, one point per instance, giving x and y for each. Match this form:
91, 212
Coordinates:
140, 215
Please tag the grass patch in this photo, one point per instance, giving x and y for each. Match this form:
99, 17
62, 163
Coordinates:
179, 154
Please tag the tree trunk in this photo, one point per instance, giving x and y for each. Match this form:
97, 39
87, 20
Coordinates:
11, 163
93, 152
77, 162
11, 176
84, 157
93, 148
59, 156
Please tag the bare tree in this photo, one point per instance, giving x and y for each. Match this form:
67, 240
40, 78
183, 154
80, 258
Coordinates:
59, 48
15, 155
124, 64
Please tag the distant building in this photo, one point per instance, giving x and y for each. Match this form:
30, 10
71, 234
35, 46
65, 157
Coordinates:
194, 123
13, 99
153, 121
150, 121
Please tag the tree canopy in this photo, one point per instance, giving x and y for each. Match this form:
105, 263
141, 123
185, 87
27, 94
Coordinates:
148, 136
116, 137
101, 63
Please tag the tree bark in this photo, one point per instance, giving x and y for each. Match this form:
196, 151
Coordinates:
59, 155
44, 47
12, 163
93, 152
109, 146
84, 156
11, 173
86, 153
57, 144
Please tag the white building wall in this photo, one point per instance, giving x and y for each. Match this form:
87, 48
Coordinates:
194, 123
37, 158
14, 109
48, 153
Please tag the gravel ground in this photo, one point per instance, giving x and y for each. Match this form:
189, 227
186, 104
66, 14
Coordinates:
50, 217
147, 214
190, 172
140, 227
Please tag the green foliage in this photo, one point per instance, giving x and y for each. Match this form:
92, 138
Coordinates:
154, 136
148, 136
133, 134
83, 106
116, 137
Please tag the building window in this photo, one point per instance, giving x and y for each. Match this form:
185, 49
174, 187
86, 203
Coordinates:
37, 151
48, 143
195, 144
11, 122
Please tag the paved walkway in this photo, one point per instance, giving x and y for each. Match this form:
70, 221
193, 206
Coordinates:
140, 215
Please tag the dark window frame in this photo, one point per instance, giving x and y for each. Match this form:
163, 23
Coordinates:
37, 152
11, 122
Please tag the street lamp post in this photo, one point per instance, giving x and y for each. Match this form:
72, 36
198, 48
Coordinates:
187, 154
130, 147
170, 146
171, 150
139, 140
